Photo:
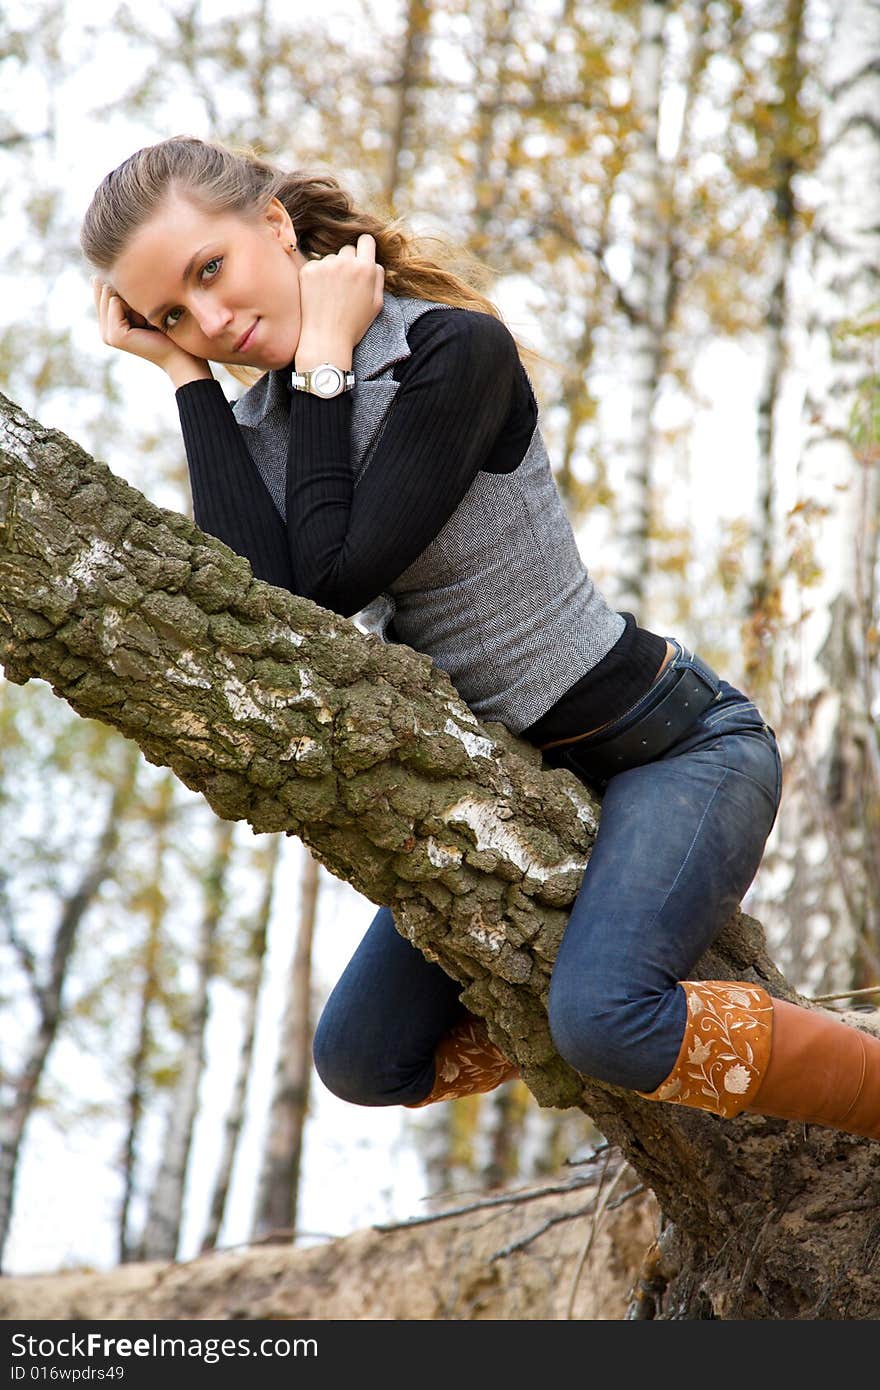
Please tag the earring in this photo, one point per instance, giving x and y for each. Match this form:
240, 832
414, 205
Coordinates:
292, 246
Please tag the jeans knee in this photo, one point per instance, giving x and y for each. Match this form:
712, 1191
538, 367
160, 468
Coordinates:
363, 1074
579, 1033
623, 1042
340, 1069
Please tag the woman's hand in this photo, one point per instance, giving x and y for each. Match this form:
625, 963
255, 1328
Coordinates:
340, 295
123, 328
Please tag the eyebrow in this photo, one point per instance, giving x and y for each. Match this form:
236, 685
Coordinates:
187, 271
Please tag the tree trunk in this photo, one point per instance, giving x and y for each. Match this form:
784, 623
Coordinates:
409, 84
518, 1256
149, 988
278, 1191
840, 471
495, 24
647, 294
165, 1211
254, 957
503, 1124
287, 716
763, 614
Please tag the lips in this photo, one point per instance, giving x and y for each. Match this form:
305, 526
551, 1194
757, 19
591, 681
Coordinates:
245, 339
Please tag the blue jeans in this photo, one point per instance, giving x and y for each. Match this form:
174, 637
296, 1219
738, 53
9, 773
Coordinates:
680, 839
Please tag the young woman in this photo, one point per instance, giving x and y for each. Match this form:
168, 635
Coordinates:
387, 462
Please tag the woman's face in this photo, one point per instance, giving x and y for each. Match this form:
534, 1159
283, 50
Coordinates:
222, 286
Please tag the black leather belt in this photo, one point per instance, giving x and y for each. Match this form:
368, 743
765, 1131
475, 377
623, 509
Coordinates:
676, 699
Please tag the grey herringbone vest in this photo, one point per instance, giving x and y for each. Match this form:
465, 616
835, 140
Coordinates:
500, 599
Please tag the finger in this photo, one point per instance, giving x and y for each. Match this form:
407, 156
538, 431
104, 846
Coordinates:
102, 290
115, 313
120, 310
110, 298
346, 252
366, 247
102, 301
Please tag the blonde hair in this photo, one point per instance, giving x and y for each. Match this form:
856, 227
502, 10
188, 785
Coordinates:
225, 179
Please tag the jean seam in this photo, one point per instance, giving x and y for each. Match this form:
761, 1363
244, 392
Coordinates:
769, 792
773, 793
682, 865
778, 756
744, 709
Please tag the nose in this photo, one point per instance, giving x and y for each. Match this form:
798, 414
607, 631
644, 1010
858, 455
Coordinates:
213, 319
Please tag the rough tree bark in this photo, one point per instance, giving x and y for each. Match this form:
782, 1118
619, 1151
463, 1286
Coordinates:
289, 717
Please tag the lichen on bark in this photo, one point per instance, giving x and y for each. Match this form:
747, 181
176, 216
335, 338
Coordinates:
290, 718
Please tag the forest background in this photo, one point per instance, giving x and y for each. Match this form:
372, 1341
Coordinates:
651, 185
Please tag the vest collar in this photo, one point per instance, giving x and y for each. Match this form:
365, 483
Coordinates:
383, 345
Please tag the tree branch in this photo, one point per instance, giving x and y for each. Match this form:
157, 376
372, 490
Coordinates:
289, 717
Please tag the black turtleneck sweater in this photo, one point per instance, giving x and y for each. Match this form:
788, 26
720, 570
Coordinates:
464, 404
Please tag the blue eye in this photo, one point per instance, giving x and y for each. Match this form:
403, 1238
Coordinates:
217, 261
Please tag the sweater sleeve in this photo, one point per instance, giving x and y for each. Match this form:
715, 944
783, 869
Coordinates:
230, 499
460, 387
463, 403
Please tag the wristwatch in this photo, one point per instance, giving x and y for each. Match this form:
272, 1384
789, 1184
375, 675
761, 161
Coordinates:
325, 380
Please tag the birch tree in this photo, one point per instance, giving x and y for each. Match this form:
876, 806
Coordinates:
647, 294
402, 135
279, 1182
551, 217
834, 662
165, 1211
785, 139
150, 977
267, 859
290, 718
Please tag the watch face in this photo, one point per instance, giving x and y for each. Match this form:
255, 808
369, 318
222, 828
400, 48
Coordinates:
326, 380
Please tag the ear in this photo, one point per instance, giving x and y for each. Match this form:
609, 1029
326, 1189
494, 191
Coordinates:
278, 218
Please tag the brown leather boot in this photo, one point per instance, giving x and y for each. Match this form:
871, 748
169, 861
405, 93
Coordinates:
821, 1070
742, 1050
467, 1063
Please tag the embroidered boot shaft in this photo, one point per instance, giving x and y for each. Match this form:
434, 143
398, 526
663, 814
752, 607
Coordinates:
467, 1063
725, 1048
742, 1050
